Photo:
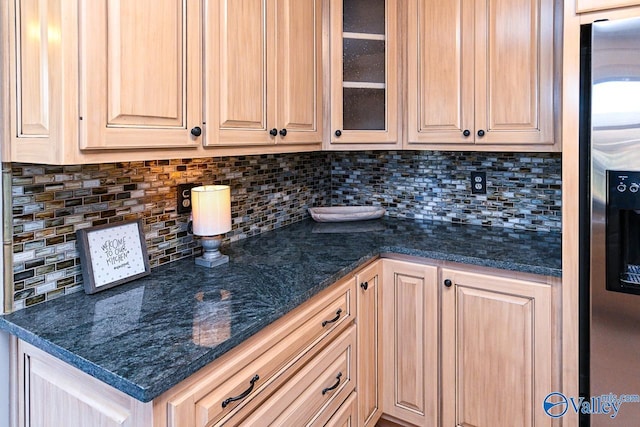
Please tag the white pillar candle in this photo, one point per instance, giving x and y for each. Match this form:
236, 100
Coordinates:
211, 209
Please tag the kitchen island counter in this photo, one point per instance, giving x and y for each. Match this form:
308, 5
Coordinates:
146, 336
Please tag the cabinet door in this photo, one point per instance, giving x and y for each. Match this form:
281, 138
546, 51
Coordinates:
263, 72
299, 71
239, 72
369, 345
140, 77
480, 73
364, 72
514, 71
410, 342
53, 393
496, 355
440, 72
43, 79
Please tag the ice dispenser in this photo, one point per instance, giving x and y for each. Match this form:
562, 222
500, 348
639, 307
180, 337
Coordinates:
623, 231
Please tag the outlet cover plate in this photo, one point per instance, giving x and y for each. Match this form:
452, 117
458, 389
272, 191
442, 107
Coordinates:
184, 197
478, 183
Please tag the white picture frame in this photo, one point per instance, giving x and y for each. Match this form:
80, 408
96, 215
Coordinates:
112, 254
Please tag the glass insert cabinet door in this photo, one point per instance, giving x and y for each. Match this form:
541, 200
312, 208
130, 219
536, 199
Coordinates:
364, 75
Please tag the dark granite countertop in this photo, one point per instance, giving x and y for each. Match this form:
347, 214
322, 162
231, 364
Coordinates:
146, 336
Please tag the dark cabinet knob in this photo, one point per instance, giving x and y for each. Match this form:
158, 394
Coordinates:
283, 132
196, 131
364, 285
466, 132
480, 133
338, 132
273, 132
448, 283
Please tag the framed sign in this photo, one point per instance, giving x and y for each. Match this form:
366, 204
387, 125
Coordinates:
112, 254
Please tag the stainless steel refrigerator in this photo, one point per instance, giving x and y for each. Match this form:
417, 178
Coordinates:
610, 223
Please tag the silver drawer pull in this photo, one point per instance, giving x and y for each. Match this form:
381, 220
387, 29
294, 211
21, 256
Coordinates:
333, 387
246, 393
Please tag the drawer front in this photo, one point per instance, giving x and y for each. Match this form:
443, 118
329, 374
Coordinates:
240, 385
345, 416
315, 392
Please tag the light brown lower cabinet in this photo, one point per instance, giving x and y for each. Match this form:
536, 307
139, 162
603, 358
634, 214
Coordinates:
496, 350
465, 349
419, 344
55, 394
369, 321
305, 364
410, 342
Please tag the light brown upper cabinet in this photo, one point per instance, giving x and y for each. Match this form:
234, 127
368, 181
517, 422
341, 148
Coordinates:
41, 42
480, 73
364, 60
263, 72
593, 5
140, 74
102, 81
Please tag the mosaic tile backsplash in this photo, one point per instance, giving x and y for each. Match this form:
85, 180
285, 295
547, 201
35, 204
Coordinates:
523, 190
51, 202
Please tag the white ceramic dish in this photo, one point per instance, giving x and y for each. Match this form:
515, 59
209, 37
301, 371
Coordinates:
346, 213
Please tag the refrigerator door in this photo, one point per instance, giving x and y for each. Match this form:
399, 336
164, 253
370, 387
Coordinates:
615, 145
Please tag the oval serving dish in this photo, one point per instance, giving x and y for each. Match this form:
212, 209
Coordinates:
346, 213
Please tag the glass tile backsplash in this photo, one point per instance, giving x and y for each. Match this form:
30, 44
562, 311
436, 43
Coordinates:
523, 189
51, 202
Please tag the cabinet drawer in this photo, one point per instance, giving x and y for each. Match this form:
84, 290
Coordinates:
255, 370
315, 392
346, 415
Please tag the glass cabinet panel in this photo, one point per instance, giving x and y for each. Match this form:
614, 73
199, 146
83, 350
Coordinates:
363, 16
366, 109
363, 60
364, 65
